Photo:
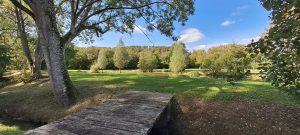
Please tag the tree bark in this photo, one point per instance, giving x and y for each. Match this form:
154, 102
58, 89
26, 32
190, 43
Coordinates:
23, 37
34, 65
38, 58
53, 50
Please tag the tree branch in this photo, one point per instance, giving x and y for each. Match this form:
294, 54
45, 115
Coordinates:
23, 8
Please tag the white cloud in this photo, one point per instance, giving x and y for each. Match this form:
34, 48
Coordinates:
242, 7
227, 23
191, 35
237, 10
207, 46
235, 13
139, 29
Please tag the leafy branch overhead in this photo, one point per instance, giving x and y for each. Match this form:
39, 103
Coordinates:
281, 43
102, 16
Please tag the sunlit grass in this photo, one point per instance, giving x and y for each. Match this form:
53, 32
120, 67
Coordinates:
36, 102
198, 88
12, 127
9, 130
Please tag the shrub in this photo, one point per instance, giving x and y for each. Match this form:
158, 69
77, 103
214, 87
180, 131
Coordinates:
4, 58
193, 74
94, 68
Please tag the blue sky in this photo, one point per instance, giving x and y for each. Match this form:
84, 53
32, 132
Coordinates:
215, 22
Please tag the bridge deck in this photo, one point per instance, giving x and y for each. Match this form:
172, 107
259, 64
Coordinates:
133, 114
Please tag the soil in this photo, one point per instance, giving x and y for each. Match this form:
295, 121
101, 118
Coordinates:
198, 117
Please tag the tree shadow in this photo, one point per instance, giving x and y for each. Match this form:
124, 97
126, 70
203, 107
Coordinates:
196, 88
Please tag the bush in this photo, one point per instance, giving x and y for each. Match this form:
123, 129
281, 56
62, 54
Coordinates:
193, 74
4, 58
234, 59
94, 68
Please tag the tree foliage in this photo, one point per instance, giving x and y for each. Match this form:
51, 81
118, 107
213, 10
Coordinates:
85, 18
234, 59
147, 61
103, 59
281, 43
4, 58
121, 57
178, 60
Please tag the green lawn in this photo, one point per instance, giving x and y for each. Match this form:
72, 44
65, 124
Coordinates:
35, 101
195, 88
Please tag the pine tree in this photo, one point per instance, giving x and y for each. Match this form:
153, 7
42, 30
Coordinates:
178, 60
148, 61
121, 57
103, 60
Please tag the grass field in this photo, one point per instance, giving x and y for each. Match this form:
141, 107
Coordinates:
199, 88
35, 101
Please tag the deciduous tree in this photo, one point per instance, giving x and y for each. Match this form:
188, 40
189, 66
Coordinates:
178, 60
280, 44
103, 60
4, 58
121, 57
89, 17
147, 61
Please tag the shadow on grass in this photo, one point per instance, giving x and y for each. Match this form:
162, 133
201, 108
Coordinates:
14, 127
196, 88
36, 102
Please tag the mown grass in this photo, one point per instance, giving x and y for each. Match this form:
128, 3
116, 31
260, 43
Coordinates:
196, 88
35, 101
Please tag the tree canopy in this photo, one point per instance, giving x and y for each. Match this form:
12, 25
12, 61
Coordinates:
148, 61
59, 22
121, 57
103, 60
280, 44
4, 58
178, 60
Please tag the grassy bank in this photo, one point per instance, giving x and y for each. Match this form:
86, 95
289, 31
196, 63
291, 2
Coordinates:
35, 101
14, 127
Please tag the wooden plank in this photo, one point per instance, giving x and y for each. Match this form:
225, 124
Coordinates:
134, 113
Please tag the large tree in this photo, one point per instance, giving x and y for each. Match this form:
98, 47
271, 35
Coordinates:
103, 60
121, 57
148, 61
34, 63
88, 17
280, 44
23, 24
178, 60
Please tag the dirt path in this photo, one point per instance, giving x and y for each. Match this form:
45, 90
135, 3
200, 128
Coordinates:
215, 118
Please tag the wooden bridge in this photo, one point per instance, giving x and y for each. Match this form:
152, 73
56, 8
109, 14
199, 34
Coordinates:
136, 113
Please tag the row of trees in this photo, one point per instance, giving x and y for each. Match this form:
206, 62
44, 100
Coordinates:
235, 59
145, 59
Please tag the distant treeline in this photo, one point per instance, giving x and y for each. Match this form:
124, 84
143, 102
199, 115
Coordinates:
84, 57
214, 58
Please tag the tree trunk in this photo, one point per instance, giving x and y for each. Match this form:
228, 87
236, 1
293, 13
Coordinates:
53, 50
23, 37
38, 58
